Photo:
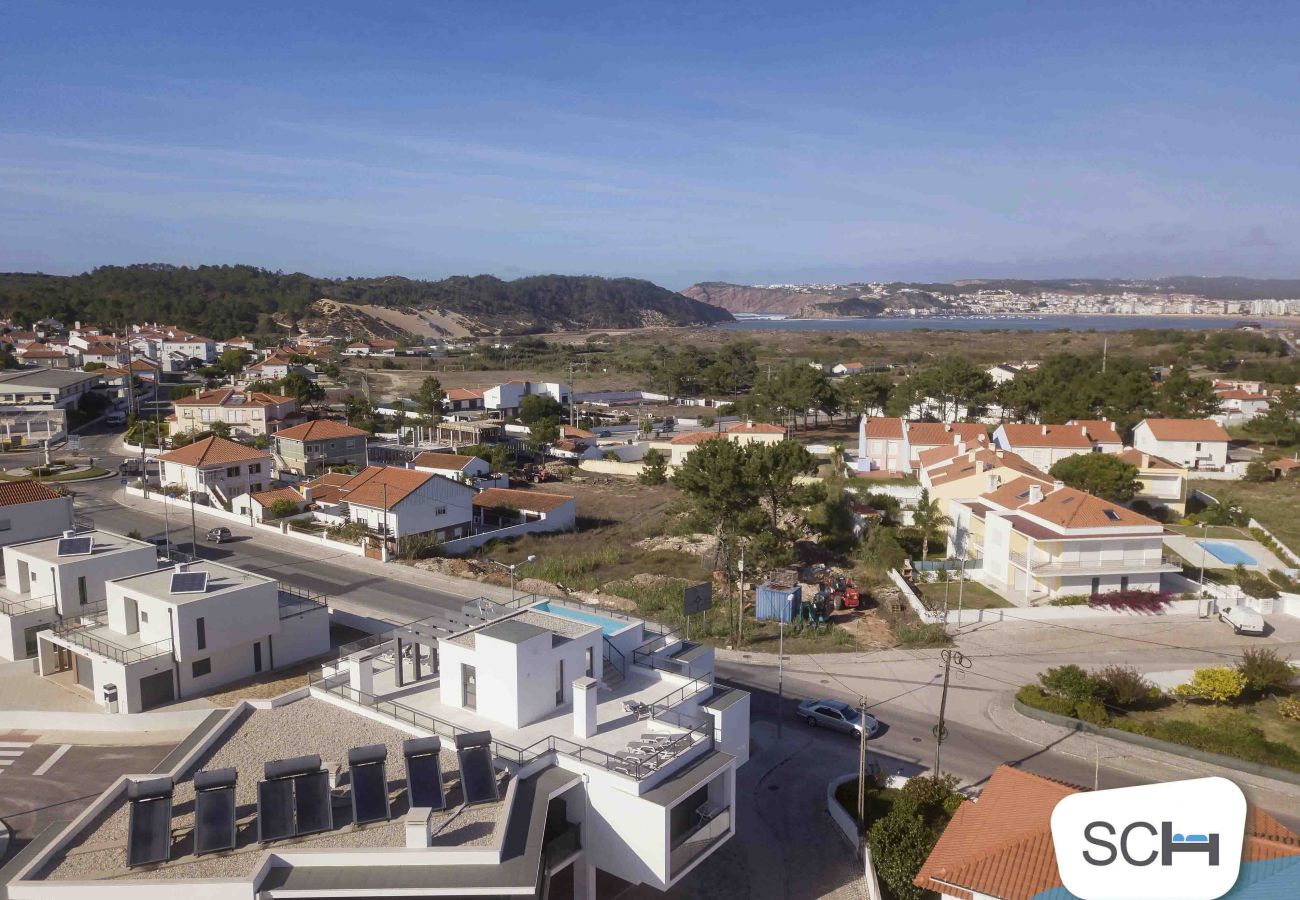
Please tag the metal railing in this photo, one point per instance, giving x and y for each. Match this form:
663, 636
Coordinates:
615, 657
644, 655
1053, 565
635, 768
20, 605
295, 601
75, 630
695, 843
681, 695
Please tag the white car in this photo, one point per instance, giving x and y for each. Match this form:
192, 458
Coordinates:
115, 418
1243, 619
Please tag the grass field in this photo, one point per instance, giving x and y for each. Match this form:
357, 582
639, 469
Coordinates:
1274, 503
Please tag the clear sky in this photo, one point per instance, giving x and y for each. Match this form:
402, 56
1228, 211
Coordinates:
752, 141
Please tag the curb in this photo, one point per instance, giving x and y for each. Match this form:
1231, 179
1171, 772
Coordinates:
1139, 740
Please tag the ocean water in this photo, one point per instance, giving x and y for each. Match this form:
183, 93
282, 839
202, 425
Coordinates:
1004, 323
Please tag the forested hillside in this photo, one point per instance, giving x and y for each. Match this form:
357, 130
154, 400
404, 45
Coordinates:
222, 301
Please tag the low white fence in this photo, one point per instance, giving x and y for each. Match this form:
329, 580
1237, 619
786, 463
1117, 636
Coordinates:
609, 467
1286, 552
913, 600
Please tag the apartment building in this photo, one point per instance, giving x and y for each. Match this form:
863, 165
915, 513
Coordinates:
1041, 541
1043, 445
179, 632
61, 576
1104, 435
45, 388
312, 447
1162, 483
465, 399
1192, 443
894, 445
216, 467
246, 412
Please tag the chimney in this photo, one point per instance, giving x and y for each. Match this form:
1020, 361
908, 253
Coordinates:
981, 466
306, 493
584, 707
1044, 429
1035, 493
947, 426
1057, 485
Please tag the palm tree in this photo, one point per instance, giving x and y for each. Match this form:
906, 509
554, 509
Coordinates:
928, 520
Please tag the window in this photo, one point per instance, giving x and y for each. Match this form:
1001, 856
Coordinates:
559, 682
254, 468
440, 510
1123, 583
232, 471
591, 663
201, 633
468, 687
257, 656
144, 616
201, 667
1096, 586
1198, 447
81, 590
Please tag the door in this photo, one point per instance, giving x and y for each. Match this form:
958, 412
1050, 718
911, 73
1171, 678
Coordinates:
468, 687
156, 689
257, 656
84, 672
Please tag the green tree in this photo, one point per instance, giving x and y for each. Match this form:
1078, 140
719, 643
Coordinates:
359, 412
1279, 423
305, 392
1102, 474
542, 432
220, 429
232, 360
881, 550
1265, 672
654, 468
928, 520
535, 407
1183, 397
399, 415
866, 393
428, 400
773, 470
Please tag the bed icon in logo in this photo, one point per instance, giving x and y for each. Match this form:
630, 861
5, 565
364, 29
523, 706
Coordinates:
1124, 843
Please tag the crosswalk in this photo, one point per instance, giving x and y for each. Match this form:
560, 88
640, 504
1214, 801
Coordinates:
12, 747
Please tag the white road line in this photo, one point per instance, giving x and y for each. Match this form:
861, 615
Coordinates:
52, 759
12, 752
7, 762
16, 745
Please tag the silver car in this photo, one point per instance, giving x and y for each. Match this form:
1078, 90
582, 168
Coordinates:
837, 715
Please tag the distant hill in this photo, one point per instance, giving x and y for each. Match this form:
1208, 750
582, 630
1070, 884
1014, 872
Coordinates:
222, 301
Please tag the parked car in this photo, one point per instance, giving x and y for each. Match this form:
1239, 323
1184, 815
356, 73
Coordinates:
116, 417
220, 534
1243, 619
837, 715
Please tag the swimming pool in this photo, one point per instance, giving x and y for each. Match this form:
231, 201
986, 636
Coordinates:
1228, 553
607, 625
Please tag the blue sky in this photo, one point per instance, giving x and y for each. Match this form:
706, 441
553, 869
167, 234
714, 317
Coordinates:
752, 141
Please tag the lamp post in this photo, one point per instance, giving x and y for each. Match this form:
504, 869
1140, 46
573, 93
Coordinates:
1205, 533
511, 569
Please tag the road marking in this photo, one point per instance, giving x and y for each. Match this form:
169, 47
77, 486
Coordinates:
18, 745
11, 752
7, 762
52, 759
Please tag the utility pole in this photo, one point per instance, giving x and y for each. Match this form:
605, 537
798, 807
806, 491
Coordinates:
940, 731
1105, 346
780, 674
862, 768
740, 602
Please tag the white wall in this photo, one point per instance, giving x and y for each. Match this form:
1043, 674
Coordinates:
61, 578
1212, 454
302, 637
438, 503
33, 521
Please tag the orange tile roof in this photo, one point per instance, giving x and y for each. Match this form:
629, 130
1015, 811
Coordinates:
213, 451
1146, 461
1001, 844
697, 437
968, 464
1236, 394
528, 501
14, 493
933, 456
1055, 436
884, 429
466, 393
319, 430
226, 397
1185, 430
755, 428
383, 487
266, 498
934, 434
581, 434
1285, 464
430, 460
275, 359
1102, 431
1066, 507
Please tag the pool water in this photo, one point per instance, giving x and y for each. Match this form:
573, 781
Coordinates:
607, 625
1228, 553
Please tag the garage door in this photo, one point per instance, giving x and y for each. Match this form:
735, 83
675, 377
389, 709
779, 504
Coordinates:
155, 690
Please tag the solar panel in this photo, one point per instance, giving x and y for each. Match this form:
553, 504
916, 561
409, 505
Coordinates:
311, 801
369, 783
274, 809
149, 831
424, 772
214, 811
189, 582
478, 777
74, 546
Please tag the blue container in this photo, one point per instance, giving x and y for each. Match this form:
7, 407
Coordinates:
780, 604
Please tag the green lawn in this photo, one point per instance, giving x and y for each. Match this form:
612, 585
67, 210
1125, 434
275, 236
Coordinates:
1274, 503
92, 472
973, 596
1263, 715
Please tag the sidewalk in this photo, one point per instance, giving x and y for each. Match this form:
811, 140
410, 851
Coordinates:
463, 587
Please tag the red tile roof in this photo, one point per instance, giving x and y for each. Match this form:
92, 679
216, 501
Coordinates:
1102, 431
466, 393
319, 430
266, 498
934, 434
15, 493
969, 464
884, 429
526, 501
383, 487
1066, 507
213, 451
230, 397
697, 437
1185, 430
1070, 437
580, 434
755, 428
1145, 461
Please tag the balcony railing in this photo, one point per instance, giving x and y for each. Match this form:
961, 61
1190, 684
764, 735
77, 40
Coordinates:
77, 630
694, 844
295, 601
635, 768
671, 701
20, 605
1052, 566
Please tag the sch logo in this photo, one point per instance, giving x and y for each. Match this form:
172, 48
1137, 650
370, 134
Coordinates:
1128, 842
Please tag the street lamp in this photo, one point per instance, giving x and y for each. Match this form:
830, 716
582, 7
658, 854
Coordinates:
511, 569
1205, 533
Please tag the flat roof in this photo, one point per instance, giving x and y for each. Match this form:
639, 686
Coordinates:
513, 631
102, 543
257, 736
222, 579
525, 624
43, 377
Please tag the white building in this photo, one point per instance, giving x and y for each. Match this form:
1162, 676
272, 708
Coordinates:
505, 507
180, 632
1043, 445
30, 510
246, 412
1192, 443
45, 388
217, 468
505, 398
400, 502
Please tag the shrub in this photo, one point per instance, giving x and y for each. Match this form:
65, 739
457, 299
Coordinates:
1230, 737
923, 635
1125, 686
1070, 600
1092, 712
1072, 683
1289, 708
282, 508
1253, 583
1151, 601
1213, 684
900, 843
1265, 672
1032, 695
